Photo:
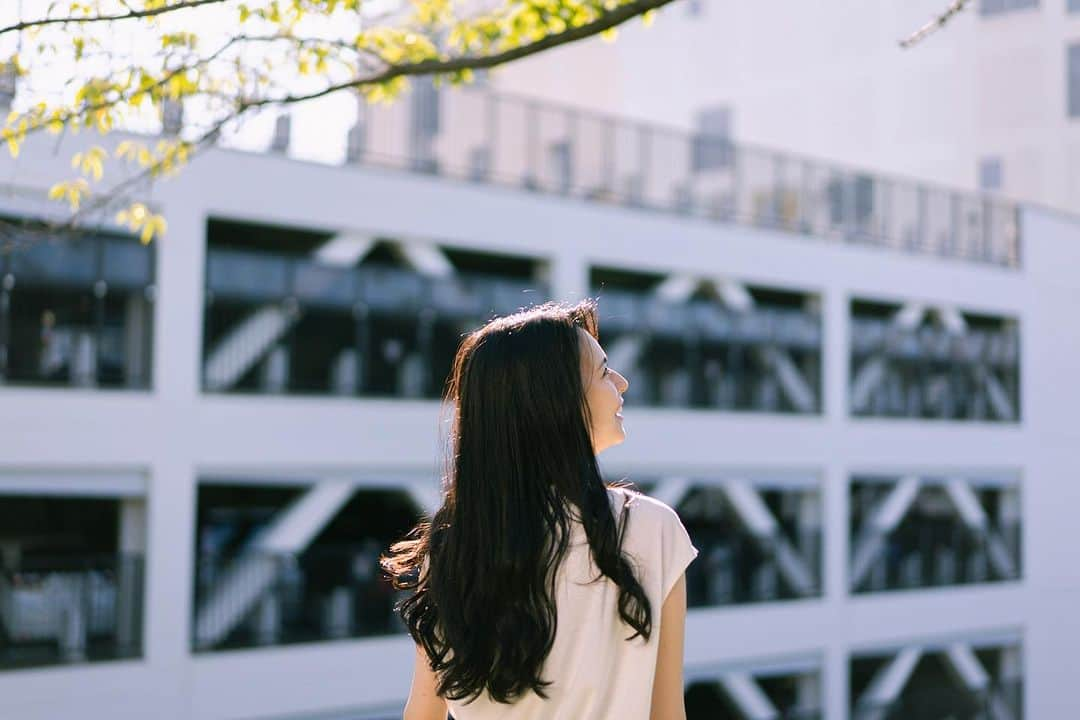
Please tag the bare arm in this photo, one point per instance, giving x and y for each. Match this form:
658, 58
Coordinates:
424, 703
667, 694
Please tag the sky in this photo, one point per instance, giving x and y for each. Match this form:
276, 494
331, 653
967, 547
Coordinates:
319, 127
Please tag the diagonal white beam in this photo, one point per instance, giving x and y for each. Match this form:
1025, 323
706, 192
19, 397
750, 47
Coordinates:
967, 504
750, 508
887, 685
748, 697
344, 250
245, 345
866, 381
247, 579
999, 398
792, 382
873, 371
676, 288
969, 671
733, 295
296, 526
736, 297
425, 258
755, 515
952, 320
974, 518
973, 676
909, 316
625, 352
886, 518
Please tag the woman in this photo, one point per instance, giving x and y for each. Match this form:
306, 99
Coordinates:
539, 592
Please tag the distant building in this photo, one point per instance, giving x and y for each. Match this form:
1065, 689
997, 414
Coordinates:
991, 102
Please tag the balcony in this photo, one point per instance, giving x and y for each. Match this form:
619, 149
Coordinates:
913, 361
71, 576
475, 135
70, 609
711, 342
325, 322
758, 541
978, 677
779, 690
918, 532
282, 565
77, 312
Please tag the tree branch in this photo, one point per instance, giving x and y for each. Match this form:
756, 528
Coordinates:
936, 24
435, 67
134, 14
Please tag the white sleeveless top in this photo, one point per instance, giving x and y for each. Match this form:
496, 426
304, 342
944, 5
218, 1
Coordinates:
596, 674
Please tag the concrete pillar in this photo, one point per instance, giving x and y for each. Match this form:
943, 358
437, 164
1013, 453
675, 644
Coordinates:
808, 692
836, 350
137, 311
836, 683
568, 278
129, 576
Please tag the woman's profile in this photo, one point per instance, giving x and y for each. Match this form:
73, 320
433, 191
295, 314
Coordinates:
537, 591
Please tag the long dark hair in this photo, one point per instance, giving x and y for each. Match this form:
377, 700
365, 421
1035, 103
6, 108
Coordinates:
521, 462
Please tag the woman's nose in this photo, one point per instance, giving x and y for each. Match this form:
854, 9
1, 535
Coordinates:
625, 383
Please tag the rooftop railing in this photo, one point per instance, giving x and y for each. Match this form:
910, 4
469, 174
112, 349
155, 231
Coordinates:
477, 135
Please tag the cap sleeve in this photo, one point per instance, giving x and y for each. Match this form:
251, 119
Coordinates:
678, 551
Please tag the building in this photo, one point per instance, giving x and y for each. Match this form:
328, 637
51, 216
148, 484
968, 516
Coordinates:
991, 102
862, 411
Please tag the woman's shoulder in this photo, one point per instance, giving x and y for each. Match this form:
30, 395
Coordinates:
640, 504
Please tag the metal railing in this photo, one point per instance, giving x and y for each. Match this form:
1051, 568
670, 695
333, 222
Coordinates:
700, 354
285, 324
70, 609
77, 312
705, 700
921, 556
477, 135
736, 569
326, 593
930, 372
948, 701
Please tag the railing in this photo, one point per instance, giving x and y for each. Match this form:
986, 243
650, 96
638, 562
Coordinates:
736, 569
327, 593
929, 372
950, 701
277, 324
77, 312
70, 610
921, 556
480, 136
700, 354
705, 701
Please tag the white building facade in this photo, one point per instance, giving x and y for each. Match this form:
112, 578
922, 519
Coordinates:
856, 391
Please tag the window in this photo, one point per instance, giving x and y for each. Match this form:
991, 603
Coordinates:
996, 7
990, 173
1073, 73
1074, 6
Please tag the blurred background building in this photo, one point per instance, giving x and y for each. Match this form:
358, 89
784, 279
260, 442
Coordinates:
855, 388
990, 103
